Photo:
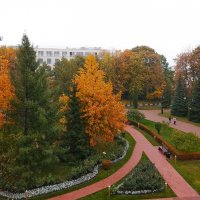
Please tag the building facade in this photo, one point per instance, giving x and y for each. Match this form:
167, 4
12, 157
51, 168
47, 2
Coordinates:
51, 55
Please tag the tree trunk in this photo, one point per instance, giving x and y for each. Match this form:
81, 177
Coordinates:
135, 100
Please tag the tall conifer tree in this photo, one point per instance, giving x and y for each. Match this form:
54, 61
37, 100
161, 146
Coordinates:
76, 138
31, 88
179, 105
31, 115
194, 107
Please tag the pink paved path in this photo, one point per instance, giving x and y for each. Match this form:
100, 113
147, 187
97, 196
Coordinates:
135, 158
171, 176
179, 198
153, 115
175, 181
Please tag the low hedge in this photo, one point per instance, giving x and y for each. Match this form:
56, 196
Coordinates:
106, 164
179, 155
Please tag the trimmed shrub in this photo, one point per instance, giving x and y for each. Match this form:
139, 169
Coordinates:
135, 115
158, 126
123, 134
106, 164
143, 177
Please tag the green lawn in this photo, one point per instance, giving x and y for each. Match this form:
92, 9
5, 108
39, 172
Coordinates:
104, 194
190, 170
184, 119
149, 137
102, 173
185, 142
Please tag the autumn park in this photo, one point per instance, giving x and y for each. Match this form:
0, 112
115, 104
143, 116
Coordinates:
79, 124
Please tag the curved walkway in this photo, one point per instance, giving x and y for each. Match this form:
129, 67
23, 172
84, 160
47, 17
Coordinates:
171, 176
100, 185
180, 187
153, 115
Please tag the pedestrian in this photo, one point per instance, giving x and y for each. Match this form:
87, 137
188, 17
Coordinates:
170, 118
174, 119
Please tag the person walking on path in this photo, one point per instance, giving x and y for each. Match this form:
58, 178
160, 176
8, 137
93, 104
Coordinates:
153, 115
174, 119
170, 118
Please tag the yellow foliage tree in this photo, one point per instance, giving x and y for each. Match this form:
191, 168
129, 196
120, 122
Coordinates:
104, 112
158, 93
63, 99
6, 88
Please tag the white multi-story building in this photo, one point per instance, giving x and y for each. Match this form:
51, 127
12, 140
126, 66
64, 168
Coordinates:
51, 55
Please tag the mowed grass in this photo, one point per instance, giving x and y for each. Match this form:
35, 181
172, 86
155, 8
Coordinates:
190, 170
185, 142
105, 195
149, 137
101, 175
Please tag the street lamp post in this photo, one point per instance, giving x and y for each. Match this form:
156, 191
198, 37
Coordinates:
162, 104
109, 191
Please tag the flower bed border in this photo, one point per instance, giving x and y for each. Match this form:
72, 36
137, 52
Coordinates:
179, 154
63, 185
130, 192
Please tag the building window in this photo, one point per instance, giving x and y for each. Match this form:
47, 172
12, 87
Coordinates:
40, 60
48, 61
49, 53
56, 53
40, 53
79, 53
70, 53
64, 53
57, 60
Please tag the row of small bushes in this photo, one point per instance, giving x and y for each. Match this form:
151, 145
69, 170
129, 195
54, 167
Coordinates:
179, 155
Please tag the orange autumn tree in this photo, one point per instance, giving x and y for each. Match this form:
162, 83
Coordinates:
158, 93
6, 88
104, 112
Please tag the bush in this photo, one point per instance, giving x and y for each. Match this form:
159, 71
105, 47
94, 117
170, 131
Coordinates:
143, 177
123, 134
106, 164
158, 126
185, 142
22, 181
135, 115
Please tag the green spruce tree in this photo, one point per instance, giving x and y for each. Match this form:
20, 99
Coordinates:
194, 107
75, 137
179, 105
168, 78
31, 89
32, 116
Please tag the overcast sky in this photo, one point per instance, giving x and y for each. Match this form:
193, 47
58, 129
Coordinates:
168, 26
